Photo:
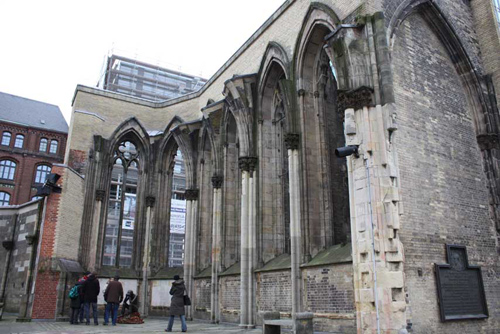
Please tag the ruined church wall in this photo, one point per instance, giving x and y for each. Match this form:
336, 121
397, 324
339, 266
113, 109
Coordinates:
20, 220
443, 187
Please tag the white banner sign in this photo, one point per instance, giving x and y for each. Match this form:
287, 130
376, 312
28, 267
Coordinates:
178, 216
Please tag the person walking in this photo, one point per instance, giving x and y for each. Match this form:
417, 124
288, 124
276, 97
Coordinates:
113, 297
90, 291
177, 303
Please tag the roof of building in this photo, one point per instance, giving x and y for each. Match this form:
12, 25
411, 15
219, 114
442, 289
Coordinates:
23, 111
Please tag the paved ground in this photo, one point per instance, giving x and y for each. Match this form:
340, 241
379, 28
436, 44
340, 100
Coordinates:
151, 325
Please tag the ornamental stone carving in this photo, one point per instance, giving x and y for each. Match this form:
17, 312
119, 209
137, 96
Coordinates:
99, 195
217, 181
31, 238
292, 141
150, 201
247, 164
355, 99
8, 244
191, 194
488, 141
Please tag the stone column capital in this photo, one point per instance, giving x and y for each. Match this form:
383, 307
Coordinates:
355, 99
247, 164
217, 181
191, 194
292, 141
99, 195
150, 201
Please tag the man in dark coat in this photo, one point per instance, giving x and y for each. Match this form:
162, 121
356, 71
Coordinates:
90, 291
177, 303
113, 297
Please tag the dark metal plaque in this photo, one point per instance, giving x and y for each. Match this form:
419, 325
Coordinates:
460, 287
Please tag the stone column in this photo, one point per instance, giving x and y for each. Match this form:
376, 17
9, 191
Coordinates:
94, 236
248, 239
378, 256
189, 246
150, 202
292, 145
216, 248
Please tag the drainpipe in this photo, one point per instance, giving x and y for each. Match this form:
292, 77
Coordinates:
9, 246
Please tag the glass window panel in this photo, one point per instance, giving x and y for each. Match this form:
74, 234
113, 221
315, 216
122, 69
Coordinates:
19, 141
6, 138
41, 173
53, 146
4, 198
43, 145
7, 169
111, 237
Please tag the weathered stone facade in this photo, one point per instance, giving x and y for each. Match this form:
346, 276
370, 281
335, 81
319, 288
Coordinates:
275, 221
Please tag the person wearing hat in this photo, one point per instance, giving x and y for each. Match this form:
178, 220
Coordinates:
177, 303
113, 295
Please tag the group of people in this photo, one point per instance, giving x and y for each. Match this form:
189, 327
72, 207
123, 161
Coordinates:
84, 296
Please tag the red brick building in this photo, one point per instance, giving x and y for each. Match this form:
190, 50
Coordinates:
33, 137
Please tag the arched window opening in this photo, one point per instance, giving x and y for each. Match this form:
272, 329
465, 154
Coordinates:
41, 173
6, 138
7, 169
177, 213
43, 145
19, 141
120, 225
53, 147
4, 198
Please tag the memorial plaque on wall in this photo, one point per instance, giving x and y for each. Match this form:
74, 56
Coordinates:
460, 287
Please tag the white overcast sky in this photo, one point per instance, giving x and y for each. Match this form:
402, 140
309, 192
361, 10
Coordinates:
48, 47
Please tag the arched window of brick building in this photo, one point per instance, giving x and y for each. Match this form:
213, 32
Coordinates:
4, 198
6, 138
19, 141
53, 146
7, 169
41, 173
120, 226
43, 145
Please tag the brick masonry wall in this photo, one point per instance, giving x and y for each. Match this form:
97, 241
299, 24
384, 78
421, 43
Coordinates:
21, 253
202, 301
274, 291
443, 187
229, 296
46, 281
329, 289
70, 211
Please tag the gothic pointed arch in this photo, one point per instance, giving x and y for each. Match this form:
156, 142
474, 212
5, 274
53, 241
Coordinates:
325, 208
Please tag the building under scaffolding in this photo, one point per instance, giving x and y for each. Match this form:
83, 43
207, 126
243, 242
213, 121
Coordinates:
147, 81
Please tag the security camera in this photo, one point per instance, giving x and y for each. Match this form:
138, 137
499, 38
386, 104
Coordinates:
346, 151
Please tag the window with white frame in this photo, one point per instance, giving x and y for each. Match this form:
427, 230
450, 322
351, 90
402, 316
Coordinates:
19, 141
41, 173
7, 169
4, 198
6, 138
53, 147
43, 145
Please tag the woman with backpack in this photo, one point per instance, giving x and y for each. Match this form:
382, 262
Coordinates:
75, 295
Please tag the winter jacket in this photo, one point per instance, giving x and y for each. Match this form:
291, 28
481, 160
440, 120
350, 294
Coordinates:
76, 302
177, 302
114, 292
91, 289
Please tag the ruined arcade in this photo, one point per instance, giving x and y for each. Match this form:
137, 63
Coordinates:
275, 220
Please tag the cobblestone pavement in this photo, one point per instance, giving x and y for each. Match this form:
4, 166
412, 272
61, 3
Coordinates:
151, 325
